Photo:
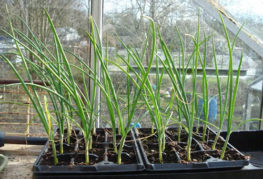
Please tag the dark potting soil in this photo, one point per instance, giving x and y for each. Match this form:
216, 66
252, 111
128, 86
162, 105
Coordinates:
175, 152
102, 150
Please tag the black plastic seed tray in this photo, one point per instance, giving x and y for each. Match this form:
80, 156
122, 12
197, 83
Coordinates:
250, 143
102, 159
177, 162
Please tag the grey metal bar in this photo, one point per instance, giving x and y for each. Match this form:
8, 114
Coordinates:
261, 108
209, 71
97, 14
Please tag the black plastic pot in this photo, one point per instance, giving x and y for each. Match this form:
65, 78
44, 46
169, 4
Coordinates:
74, 159
211, 161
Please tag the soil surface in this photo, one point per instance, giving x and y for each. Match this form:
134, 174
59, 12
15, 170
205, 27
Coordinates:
102, 150
175, 147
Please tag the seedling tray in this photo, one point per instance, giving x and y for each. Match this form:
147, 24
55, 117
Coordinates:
102, 157
250, 143
228, 173
203, 158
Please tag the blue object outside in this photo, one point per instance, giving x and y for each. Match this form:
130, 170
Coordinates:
137, 125
154, 87
212, 109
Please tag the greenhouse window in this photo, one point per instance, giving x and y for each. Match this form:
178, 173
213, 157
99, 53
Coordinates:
131, 88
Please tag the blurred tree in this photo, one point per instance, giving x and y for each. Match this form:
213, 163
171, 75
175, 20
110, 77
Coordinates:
64, 13
70, 17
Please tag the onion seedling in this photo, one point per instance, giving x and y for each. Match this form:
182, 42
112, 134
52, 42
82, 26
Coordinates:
232, 88
223, 105
110, 94
204, 91
85, 105
187, 108
151, 96
42, 112
56, 71
37, 69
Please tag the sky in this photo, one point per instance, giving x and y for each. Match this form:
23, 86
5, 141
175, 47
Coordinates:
116, 5
251, 8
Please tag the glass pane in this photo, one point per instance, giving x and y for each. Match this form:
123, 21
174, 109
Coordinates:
127, 21
71, 20
248, 13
